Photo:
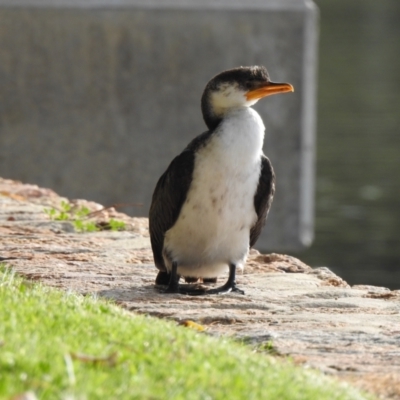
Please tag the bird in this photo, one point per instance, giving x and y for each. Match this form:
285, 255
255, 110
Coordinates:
210, 205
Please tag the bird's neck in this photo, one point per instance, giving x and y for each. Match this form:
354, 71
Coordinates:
210, 115
241, 134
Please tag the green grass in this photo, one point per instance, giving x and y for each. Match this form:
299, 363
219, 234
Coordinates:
65, 346
80, 218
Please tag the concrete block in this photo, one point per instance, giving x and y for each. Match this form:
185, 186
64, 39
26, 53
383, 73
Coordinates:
98, 96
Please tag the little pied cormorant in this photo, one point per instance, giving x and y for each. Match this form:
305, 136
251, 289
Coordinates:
210, 205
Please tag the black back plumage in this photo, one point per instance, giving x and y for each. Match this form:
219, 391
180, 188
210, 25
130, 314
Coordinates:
170, 194
263, 198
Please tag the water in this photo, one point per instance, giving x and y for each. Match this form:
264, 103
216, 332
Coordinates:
358, 161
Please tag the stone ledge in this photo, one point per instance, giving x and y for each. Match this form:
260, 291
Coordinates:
310, 314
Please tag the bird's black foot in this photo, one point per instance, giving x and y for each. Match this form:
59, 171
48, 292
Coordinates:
201, 291
230, 285
173, 283
224, 289
171, 289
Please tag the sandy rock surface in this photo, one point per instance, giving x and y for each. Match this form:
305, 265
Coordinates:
309, 314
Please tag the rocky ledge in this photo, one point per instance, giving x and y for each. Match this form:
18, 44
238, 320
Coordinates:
309, 314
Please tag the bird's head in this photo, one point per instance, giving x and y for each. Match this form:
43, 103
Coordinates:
235, 88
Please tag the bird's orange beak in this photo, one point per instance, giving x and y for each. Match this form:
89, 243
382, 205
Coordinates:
268, 89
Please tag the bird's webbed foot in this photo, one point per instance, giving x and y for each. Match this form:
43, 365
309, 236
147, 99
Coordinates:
224, 290
171, 289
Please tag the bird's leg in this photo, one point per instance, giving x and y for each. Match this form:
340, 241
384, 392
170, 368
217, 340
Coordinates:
173, 286
230, 285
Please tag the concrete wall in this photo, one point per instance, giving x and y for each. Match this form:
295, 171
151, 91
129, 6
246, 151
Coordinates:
96, 97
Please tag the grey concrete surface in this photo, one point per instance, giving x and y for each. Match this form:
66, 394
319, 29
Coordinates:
98, 96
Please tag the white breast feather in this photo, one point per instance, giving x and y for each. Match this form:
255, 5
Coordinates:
214, 224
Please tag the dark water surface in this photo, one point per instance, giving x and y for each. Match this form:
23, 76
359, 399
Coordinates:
358, 161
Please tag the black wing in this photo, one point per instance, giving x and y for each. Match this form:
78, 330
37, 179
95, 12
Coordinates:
169, 195
263, 198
